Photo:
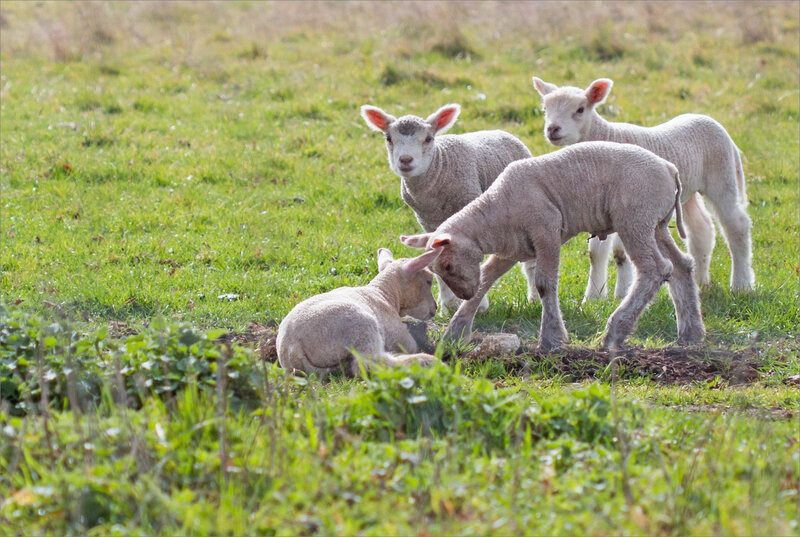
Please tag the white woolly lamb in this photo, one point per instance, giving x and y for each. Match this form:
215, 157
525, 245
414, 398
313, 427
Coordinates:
321, 333
708, 162
539, 203
441, 174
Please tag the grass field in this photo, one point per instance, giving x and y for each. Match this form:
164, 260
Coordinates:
157, 157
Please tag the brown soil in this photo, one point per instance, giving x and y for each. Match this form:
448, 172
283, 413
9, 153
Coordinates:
257, 335
668, 365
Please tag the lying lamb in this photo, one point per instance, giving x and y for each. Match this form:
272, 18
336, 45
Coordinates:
539, 203
441, 174
321, 333
708, 162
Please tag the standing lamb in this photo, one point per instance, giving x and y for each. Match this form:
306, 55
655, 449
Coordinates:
708, 162
321, 333
441, 174
539, 203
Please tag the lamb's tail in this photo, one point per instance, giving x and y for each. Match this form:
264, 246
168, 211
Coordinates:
678, 210
737, 162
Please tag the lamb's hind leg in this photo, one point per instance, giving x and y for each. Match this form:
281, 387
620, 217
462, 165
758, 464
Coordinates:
372, 351
625, 272
597, 286
682, 290
700, 237
529, 270
735, 224
651, 271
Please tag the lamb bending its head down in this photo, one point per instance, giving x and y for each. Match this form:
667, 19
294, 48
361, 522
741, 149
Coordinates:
707, 160
321, 333
439, 173
539, 203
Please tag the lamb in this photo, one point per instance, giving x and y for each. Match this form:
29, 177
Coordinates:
441, 174
539, 203
707, 159
321, 334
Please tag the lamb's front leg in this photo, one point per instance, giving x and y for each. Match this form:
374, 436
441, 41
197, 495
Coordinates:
450, 302
552, 333
460, 326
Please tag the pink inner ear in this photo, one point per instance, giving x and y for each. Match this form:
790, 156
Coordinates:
598, 91
445, 117
414, 241
377, 119
439, 242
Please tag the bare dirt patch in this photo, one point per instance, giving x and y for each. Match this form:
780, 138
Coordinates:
260, 336
668, 365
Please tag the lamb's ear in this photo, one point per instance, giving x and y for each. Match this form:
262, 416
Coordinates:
384, 258
543, 87
375, 118
416, 241
444, 118
421, 261
599, 90
443, 239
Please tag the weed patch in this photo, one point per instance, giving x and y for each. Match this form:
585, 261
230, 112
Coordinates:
61, 367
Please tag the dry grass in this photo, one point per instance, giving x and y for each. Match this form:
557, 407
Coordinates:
72, 31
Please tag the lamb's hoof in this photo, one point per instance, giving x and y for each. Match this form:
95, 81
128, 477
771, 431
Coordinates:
459, 331
611, 343
691, 337
588, 297
549, 345
742, 287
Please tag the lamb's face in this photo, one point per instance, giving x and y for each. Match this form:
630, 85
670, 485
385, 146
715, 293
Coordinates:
413, 280
410, 146
421, 303
459, 265
410, 139
566, 111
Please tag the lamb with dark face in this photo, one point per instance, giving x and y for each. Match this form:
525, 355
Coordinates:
440, 174
539, 203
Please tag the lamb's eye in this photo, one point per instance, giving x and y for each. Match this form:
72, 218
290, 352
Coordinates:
428, 139
388, 139
448, 267
580, 110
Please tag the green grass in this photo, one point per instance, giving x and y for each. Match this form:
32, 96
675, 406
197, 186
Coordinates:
157, 156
